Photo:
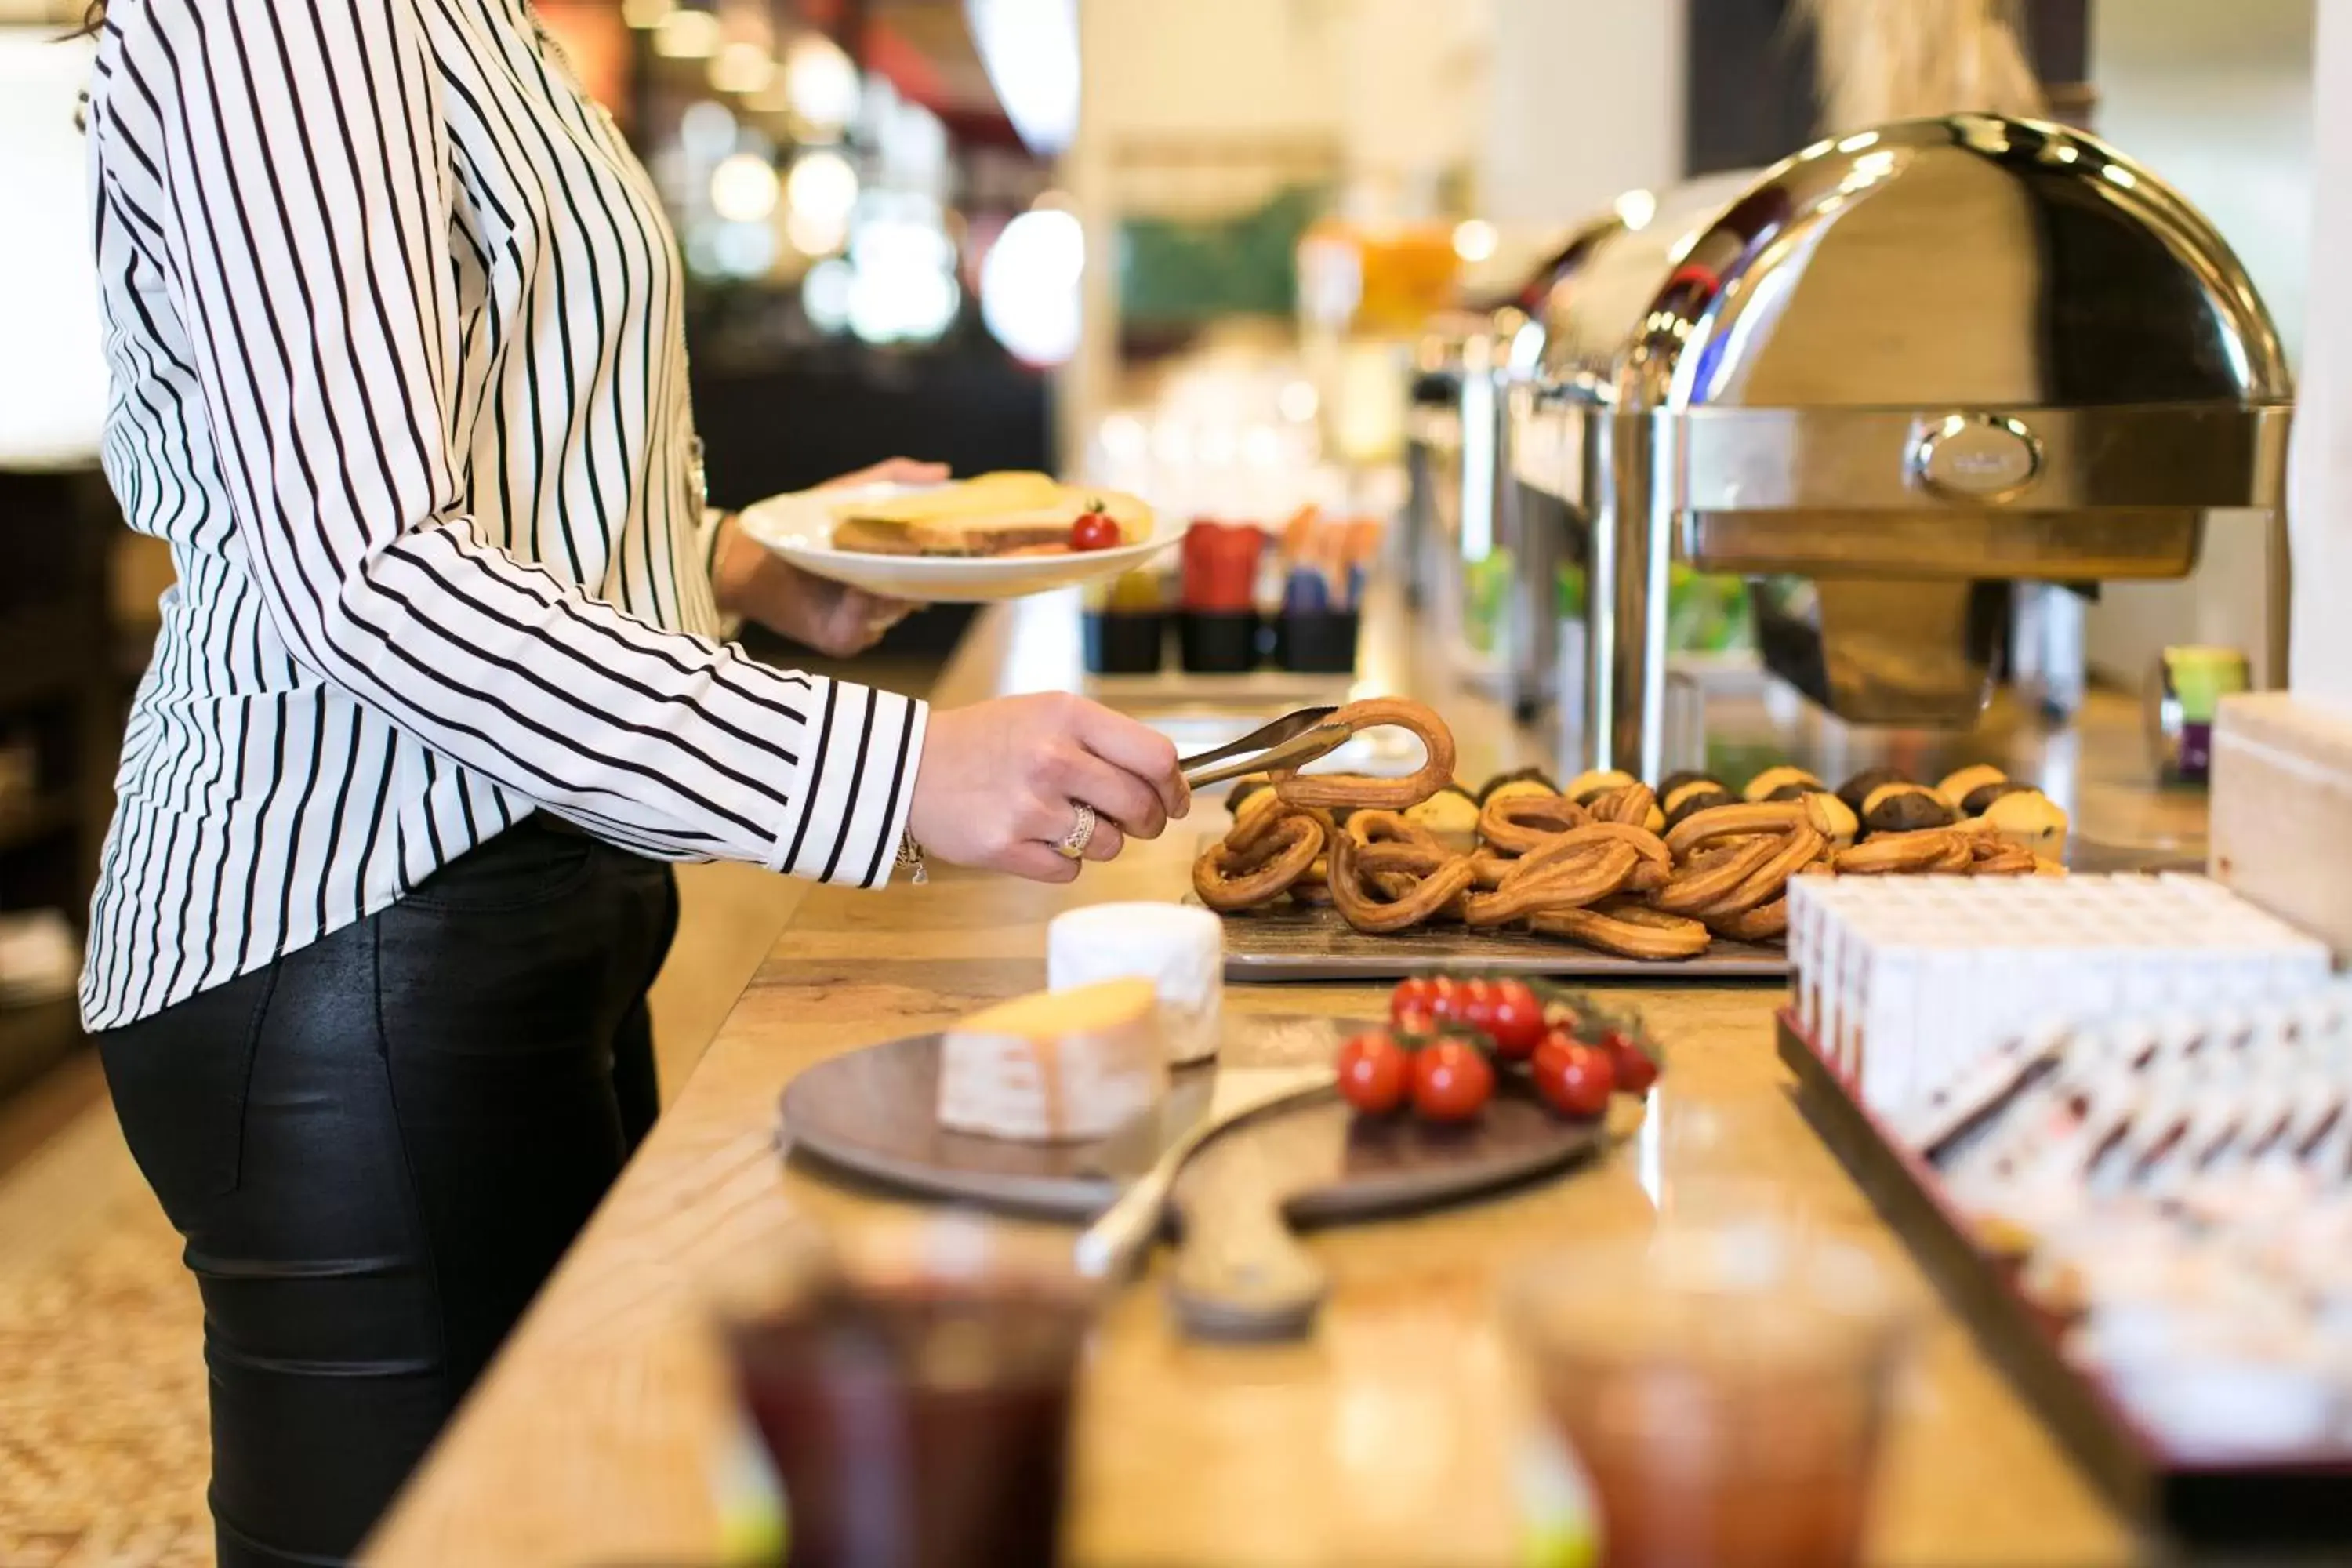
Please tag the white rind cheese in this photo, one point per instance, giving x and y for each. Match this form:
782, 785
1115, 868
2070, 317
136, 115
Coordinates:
1179, 949
1056, 1067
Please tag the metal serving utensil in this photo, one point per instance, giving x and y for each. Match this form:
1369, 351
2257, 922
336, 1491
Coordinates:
1289, 741
1150, 1153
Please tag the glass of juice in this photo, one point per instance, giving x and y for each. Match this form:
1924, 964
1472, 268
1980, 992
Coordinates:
1722, 1387
914, 1395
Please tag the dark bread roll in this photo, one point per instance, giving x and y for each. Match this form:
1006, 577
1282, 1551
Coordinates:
1696, 796
1767, 785
1904, 807
1855, 790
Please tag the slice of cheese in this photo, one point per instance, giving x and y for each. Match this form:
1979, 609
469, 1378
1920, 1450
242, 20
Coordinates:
1178, 948
1056, 1067
979, 496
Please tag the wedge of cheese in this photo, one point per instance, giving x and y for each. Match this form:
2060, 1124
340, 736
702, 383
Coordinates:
1056, 1067
982, 495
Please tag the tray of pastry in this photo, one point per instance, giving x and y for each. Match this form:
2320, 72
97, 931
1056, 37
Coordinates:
2139, 1204
1330, 878
1303, 943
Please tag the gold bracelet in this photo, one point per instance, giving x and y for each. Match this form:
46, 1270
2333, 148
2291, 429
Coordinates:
910, 859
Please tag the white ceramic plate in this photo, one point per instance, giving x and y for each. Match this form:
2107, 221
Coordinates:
799, 527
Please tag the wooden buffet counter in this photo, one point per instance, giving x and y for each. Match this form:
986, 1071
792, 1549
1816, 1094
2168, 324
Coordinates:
1384, 1440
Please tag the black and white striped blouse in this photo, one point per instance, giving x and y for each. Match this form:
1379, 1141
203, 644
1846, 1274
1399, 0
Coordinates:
393, 327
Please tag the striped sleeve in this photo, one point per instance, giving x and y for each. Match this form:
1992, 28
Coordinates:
307, 242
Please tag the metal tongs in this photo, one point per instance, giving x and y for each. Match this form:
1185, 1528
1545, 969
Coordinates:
1291, 742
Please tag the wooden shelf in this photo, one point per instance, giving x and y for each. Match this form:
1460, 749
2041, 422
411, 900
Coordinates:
46, 817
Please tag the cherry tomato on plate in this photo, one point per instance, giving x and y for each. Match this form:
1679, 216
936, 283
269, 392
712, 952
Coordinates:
1446, 999
1375, 1072
1451, 1080
1416, 997
1574, 1079
1474, 1007
1515, 1020
1095, 530
1634, 1067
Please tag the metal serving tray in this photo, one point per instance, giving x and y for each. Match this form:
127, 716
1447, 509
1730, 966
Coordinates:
1292, 943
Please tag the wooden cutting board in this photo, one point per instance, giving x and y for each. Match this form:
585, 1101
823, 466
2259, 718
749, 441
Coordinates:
871, 1113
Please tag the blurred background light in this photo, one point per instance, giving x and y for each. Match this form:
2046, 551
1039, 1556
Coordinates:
742, 68
743, 188
825, 295
822, 187
1030, 51
744, 249
1636, 208
706, 132
815, 235
821, 85
686, 35
53, 377
1475, 240
1029, 286
645, 14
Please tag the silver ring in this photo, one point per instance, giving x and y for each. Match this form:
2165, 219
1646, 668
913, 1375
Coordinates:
1073, 846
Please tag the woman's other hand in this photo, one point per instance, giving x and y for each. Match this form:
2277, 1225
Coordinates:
835, 620
999, 784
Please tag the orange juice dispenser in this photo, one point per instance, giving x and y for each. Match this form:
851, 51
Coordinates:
1367, 292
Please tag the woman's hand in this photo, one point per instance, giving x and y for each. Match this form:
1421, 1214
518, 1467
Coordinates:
892, 471
999, 784
835, 620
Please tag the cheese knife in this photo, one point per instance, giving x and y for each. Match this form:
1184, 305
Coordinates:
1232, 1279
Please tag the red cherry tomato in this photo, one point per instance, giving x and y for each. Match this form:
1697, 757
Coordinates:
1635, 1068
1415, 997
1096, 530
1446, 999
1374, 1073
1574, 1079
1413, 1027
1515, 1021
1451, 1080
1475, 1008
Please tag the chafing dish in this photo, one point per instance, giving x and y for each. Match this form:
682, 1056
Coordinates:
1467, 523
1886, 381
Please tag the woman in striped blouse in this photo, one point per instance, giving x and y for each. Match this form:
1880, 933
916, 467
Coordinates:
394, 326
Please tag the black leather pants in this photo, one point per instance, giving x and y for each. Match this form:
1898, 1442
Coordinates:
377, 1148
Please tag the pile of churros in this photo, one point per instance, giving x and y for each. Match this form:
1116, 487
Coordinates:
1608, 862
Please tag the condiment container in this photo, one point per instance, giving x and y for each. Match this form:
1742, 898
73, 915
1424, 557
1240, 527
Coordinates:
2182, 702
1125, 626
1219, 631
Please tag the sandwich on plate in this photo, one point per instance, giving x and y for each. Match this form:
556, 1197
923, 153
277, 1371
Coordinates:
992, 515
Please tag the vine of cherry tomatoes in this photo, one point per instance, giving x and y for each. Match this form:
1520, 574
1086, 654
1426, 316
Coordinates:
1448, 1037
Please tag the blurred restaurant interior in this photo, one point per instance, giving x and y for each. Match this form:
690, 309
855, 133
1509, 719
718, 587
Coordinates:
1875, 394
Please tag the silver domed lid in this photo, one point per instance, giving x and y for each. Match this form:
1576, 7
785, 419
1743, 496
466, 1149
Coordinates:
1966, 260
